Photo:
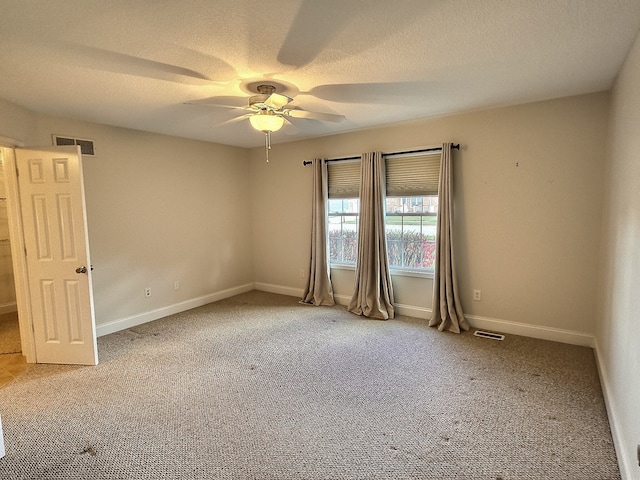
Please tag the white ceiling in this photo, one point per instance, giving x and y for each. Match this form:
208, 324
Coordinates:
135, 63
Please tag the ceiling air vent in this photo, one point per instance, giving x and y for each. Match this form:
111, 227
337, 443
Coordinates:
86, 146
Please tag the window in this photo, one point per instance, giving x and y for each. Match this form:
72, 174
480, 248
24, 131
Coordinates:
411, 211
411, 232
343, 230
343, 209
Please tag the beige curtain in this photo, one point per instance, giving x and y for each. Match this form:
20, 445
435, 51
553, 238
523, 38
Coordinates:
373, 295
319, 290
447, 310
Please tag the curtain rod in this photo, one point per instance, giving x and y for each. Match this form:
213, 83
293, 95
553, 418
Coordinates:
419, 150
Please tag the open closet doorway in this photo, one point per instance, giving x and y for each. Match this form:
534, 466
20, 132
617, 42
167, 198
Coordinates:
9, 327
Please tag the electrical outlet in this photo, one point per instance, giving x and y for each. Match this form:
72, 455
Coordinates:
477, 295
147, 292
301, 273
176, 284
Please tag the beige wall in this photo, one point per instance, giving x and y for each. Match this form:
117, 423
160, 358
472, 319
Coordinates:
16, 123
528, 185
618, 333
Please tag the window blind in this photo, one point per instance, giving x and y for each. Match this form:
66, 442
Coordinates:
344, 179
415, 175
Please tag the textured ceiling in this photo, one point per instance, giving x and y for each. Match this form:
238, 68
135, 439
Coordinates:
136, 63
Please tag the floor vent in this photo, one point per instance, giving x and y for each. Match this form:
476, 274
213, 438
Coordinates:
493, 336
86, 146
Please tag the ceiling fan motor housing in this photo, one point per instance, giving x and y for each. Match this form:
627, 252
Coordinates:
258, 101
266, 89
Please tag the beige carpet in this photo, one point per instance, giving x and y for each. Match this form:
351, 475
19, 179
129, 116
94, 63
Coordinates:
9, 333
260, 387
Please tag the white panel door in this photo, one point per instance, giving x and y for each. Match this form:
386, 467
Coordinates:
57, 255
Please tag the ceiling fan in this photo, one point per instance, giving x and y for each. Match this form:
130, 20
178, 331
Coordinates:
268, 111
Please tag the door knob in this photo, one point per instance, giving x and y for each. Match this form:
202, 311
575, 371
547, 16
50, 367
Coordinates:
81, 269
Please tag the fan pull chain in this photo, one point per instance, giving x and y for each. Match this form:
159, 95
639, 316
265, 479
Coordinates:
267, 138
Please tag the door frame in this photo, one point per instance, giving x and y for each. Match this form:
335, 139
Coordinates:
18, 256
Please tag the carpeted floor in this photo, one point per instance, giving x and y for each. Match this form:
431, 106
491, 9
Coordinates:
9, 333
260, 387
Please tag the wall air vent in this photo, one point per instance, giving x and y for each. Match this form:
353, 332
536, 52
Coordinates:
493, 336
86, 146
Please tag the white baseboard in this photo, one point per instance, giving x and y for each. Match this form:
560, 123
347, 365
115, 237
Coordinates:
8, 308
412, 311
624, 462
139, 319
534, 331
342, 299
271, 288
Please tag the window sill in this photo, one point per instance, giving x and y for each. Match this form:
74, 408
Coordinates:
395, 272
342, 266
398, 272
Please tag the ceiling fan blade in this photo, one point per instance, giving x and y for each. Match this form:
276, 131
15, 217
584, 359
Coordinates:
277, 101
326, 117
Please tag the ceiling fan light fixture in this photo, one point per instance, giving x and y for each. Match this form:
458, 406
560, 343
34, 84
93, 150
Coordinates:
266, 121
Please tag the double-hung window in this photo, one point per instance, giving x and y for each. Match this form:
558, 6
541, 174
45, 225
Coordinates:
343, 230
344, 207
411, 211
